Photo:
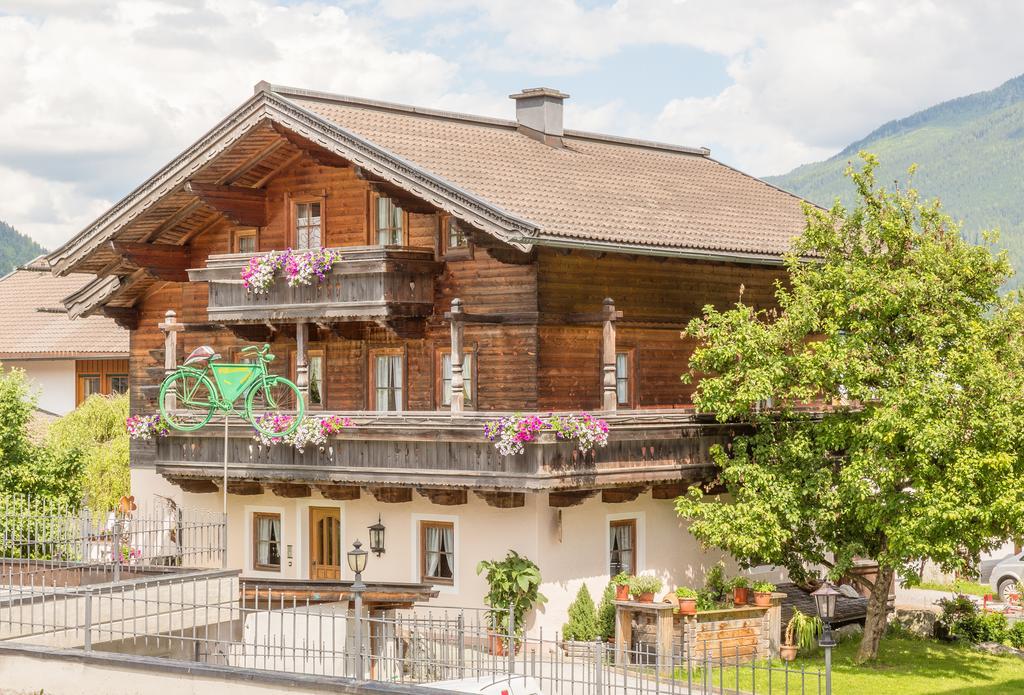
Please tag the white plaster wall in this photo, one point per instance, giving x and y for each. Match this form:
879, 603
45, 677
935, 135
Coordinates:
53, 382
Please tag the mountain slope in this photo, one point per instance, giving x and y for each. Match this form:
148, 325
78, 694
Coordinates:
15, 248
969, 152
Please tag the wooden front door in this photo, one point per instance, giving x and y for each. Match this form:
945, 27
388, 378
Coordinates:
324, 543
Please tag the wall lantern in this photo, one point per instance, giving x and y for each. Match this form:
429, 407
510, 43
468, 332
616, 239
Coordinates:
377, 538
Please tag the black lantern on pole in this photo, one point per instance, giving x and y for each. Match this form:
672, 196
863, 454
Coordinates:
377, 538
825, 601
357, 561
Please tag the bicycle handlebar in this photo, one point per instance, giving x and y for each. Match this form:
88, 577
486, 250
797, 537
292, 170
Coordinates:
262, 352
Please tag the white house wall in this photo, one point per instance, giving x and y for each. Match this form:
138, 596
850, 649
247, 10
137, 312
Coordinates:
53, 382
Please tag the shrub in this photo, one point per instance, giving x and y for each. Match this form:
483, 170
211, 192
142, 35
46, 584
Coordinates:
621, 579
1015, 635
606, 613
582, 625
686, 592
715, 584
763, 587
93, 436
644, 584
961, 618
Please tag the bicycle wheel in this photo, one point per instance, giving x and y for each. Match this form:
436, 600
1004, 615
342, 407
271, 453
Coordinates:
187, 400
274, 406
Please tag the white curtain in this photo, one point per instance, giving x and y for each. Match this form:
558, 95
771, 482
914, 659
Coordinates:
389, 383
433, 550
621, 378
621, 539
269, 530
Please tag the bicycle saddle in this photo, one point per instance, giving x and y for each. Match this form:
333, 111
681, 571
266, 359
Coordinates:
203, 353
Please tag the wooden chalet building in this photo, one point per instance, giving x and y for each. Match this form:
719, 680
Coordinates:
560, 265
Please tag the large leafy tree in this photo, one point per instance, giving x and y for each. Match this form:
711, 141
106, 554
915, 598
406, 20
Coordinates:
886, 397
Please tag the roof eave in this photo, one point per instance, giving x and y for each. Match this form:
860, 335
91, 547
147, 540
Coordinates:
662, 251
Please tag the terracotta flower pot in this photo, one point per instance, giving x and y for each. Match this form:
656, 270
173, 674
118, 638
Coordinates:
645, 598
763, 599
622, 592
740, 595
787, 652
496, 644
687, 606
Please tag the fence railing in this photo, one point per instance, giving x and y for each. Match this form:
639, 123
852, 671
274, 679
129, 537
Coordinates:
201, 617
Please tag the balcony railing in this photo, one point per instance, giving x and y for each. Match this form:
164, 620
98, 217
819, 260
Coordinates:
365, 283
439, 449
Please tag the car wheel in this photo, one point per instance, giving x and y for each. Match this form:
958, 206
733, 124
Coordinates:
1006, 587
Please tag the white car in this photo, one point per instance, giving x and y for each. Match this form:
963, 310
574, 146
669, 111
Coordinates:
498, 684
1006, 574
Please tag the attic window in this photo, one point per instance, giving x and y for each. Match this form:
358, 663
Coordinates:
389, 222
307, 226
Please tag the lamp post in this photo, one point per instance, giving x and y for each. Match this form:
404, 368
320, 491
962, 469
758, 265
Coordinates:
825, 602
357, 563
377, 538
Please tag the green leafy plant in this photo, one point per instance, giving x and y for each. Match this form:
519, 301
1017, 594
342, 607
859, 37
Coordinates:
961, 618
763, 587
739, 583
706, 602
715, 583
513, 585
1015, 635
644, 584
621, 579
606, 613
582, 625
686, 592
803, 630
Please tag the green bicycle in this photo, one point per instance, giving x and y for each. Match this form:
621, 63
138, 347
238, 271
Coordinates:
189, 398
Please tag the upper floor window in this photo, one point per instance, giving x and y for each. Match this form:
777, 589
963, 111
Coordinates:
624, 377
468, 380
243, 241
437, 552
455, 234
389, 222
316, 378
307, 226
387, 375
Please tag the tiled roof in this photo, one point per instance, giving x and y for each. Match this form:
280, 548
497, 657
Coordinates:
594, 189
35, 324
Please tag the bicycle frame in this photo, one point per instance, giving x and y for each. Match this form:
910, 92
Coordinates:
232, 381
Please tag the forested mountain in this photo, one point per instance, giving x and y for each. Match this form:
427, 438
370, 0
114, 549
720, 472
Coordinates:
15, 248
969, 152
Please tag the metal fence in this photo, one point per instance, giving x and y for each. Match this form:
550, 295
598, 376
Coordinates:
201, 617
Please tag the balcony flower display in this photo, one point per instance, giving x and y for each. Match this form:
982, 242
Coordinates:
145, 427
511, 432
275, 423
301, 268
313, 431
258, 276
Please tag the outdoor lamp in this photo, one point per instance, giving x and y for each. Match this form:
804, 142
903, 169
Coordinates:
825, 601
377, 538
357, 559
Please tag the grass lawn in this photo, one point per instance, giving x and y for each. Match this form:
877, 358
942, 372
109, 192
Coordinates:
958, 586
905, 666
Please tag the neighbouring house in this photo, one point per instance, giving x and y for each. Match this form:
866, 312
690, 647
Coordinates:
576, 259
66, 360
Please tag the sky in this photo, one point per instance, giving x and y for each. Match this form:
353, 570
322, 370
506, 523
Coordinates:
98, 94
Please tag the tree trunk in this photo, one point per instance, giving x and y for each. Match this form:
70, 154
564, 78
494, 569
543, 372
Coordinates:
878, 610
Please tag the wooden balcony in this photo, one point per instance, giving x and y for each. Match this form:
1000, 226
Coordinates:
366, 283
436, 450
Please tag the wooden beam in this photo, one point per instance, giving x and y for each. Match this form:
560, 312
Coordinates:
290, 490
197, 485
173, 221
617, 495
668, 491
391, 495
318, 154
124, 316
569, 498
251, 163
244, 487
163, 261
252, 332
339, 492
446, 497
502, 499
243, 206
279, 168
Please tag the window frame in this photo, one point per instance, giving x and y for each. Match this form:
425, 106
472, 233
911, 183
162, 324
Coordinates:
293, 371
439, 403
80, 385
631, 374
371, 370
256, 516
632, 523
245, 233
296, 199
454, 252
374, 235
110, 383
424, 524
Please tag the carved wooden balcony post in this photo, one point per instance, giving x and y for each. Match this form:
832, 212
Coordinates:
458, 382
301, 361
610, 399
170, 327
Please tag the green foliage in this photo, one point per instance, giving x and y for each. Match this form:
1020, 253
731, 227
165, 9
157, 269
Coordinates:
513, 582
898, 325
961, 618
16, 451
94, 436
803, 630
644, 584
715, 583
15, 248
621, 579
606, 613
763, 587
686, 592
1015, 635
739, 583
583, 624
969, 150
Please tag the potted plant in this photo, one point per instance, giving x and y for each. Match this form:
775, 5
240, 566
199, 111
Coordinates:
643, 588
740, 591
687, 600
621, 581
763, 594
802, 631
579, 633
513, 589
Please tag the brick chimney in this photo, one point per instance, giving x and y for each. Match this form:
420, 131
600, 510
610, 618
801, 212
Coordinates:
539, 113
